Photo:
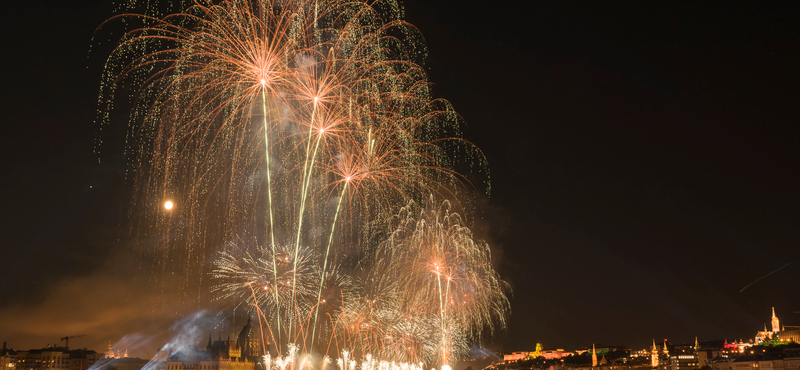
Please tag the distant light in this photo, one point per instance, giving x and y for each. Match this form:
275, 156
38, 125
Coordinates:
168, 205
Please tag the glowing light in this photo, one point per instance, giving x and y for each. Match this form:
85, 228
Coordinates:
289, 230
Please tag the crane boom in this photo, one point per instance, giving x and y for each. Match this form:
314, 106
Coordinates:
67, 338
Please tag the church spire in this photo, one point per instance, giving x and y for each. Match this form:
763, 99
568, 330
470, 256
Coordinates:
654, 355
776, 325
594, 356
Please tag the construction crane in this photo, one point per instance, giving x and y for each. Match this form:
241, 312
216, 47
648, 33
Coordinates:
67, 338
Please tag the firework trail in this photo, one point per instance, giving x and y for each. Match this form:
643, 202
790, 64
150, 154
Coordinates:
301, 136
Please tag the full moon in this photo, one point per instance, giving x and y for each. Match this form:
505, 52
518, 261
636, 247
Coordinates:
168, 205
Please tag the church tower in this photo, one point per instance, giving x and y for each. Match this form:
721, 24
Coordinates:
654, 355
776, 325
594, 356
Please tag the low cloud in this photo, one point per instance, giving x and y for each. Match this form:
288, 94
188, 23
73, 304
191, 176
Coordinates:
112, 305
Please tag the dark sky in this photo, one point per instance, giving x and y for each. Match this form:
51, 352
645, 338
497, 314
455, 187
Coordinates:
644, 168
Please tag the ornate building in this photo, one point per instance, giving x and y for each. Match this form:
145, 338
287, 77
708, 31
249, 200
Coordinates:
115, 355
776, 325
246, 353
776, 335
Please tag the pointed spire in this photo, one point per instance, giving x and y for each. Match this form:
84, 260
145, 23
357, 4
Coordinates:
696, 344
654, 355
594, 356
209, 341
776, 324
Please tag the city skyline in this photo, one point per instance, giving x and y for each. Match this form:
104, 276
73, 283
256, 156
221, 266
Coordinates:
643, 169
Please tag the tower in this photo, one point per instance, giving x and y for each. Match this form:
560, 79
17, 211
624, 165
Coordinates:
594, 356
696, 344
776, 326
666, 351
654, 355
110, 352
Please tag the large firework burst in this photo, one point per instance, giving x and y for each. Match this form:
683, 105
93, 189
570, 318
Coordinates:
302, 126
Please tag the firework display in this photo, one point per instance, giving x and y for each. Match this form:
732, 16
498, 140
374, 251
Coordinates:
301, 151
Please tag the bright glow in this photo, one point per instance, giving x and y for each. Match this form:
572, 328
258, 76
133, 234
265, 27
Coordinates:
267, 193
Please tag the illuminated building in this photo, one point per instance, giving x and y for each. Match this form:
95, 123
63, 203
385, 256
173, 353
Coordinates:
242, 354
116, 355
654, 355
684, 361
594, 356
776, 335
736, 346
515, 356
776, 326
688, 357
8, 358
555, 354
537, 353
56, 358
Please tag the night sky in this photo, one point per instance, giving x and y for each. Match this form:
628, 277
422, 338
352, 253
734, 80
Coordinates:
644, 169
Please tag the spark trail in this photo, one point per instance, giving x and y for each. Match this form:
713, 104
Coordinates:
759, 279
328, 224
